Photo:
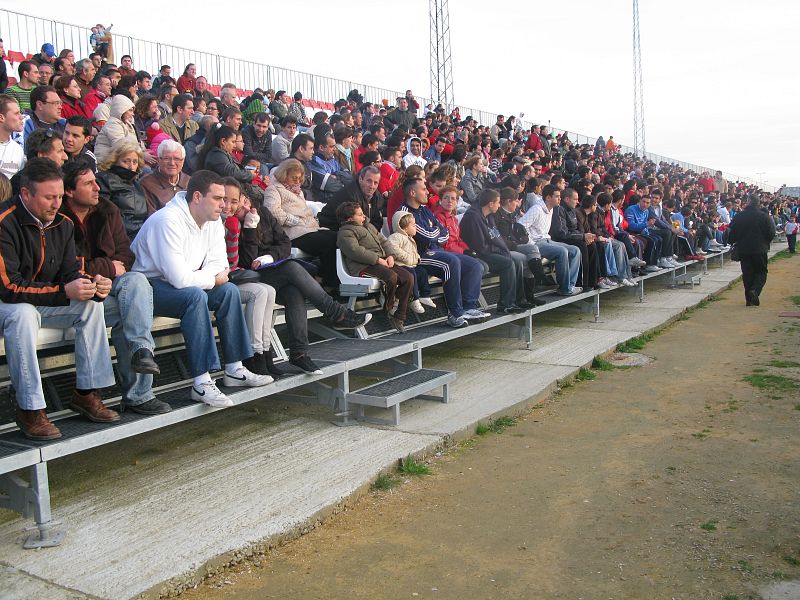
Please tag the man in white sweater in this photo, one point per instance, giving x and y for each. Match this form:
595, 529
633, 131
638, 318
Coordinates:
181, 250
537, 220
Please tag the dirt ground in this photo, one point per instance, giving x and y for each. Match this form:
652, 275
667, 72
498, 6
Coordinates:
674, 480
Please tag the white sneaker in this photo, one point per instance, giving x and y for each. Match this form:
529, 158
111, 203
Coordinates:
209, 394
244, 378
637, 262
416, 306
652, 268
674, 262
664, 263
628, 282
701, 252
427, 302
601, 283
474, 313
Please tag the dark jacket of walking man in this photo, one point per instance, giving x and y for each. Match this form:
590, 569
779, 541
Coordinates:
752, 230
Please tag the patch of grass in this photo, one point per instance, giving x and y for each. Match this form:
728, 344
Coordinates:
730, 597
795, 300
671, 469
733, 405
792, 560
772, 382
759, 370
497, 425
781, 255
745, 566
585, 374
710, 525
385, 482
410, 466
700, 435
635, 344
797, 406
601, 364
783, 364
778, 575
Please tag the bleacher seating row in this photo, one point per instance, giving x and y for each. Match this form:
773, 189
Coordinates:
340, 357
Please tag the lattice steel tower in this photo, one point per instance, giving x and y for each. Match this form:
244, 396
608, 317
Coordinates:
441, 60
638, 98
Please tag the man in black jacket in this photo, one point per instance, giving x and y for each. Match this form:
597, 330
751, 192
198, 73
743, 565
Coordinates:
258, 140
364, 191
479, 231
752, 230
42, 284
564, 228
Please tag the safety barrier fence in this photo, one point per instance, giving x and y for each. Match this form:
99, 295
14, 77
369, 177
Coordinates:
26, 33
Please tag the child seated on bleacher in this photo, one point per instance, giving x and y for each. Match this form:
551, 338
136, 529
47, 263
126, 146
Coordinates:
367, 253
407, 256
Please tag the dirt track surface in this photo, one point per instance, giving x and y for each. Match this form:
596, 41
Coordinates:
673, 480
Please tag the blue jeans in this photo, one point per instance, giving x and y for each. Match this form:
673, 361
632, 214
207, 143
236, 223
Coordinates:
191, 306
567, 259
129, 313
20, 325
461, 276
609, 260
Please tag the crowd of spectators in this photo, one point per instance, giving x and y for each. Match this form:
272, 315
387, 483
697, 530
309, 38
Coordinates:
139, 196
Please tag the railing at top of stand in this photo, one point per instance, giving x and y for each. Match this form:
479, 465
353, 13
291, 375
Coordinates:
30, 32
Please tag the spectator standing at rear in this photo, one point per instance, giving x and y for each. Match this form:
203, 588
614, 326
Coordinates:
403, 116
752, 230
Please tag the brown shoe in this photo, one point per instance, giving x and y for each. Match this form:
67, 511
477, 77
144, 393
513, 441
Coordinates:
35, 425
91, 406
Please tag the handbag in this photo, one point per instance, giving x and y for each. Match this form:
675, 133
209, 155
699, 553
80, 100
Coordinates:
240, 276
735, 252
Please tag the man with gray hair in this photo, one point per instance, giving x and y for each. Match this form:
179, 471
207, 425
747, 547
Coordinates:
84, 74
168, 178
228, 97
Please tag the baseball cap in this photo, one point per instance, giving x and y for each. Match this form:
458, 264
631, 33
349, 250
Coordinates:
49, 50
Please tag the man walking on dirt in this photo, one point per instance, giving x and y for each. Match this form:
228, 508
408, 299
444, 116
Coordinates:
752, 231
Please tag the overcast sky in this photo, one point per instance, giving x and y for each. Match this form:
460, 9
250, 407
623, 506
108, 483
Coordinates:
720, 78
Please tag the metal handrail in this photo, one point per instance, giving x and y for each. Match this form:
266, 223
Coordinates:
31, 32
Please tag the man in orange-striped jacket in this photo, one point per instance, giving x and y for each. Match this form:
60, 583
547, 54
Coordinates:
42, 284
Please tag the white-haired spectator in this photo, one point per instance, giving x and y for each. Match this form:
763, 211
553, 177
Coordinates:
167, 178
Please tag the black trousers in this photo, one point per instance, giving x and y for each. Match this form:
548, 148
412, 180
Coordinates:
322, 244
590, 265
754, 272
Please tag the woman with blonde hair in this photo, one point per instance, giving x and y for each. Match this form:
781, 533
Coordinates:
285, 200
118, 179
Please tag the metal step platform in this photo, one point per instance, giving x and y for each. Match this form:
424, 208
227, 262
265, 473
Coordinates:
392, 392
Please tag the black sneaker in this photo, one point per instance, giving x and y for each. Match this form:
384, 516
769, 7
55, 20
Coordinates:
305, 364
352, 319
151, 407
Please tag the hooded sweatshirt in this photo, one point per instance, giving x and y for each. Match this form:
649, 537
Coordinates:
170, 246
115, 131
409, 159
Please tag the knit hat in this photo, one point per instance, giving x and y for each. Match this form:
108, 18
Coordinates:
154, 138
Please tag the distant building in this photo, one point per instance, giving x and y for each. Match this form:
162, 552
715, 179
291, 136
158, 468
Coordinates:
794, 192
